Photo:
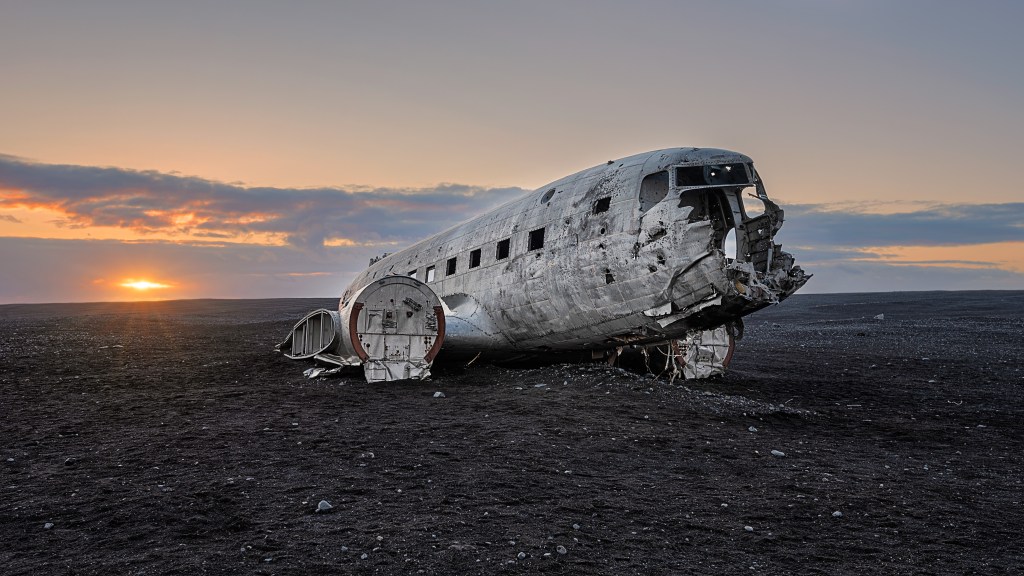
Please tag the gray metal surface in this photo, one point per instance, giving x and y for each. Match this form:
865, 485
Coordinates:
619, 264
393, 327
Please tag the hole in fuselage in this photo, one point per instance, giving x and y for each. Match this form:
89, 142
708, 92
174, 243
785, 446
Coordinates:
729, 244
752, 205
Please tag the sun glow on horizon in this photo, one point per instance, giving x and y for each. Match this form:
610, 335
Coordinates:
144, 285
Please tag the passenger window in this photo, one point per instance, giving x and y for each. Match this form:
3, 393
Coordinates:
474, 258
536, 239
502, 252
430, 273
412, 273
451, 267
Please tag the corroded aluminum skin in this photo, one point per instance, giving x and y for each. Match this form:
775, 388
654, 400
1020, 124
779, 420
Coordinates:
601, 280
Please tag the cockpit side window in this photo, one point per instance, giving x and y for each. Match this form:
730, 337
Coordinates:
653, 189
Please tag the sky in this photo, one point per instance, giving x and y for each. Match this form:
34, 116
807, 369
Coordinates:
222, 149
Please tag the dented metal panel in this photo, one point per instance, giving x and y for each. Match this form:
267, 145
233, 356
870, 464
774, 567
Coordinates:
705, 353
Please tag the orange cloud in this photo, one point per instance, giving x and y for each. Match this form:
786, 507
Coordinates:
1008, 256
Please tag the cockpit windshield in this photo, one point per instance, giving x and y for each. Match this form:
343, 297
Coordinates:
713, 175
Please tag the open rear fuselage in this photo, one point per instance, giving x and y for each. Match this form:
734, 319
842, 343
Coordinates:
636, 251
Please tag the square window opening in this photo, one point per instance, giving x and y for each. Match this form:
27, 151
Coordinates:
451, 266
474, 258
536, 239
602, 204
503, 248
430, 273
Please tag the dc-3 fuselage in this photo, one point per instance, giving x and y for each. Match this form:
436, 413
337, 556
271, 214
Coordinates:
638, 251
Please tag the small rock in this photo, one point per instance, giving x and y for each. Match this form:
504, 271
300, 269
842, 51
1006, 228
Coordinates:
561, 550
323, 506
837, 514
751, 429
439, 394
10, 459
48, 525
575, 526
521, 555
748, 528
364, 556
880, 317
344, 548
539, 385
778, 453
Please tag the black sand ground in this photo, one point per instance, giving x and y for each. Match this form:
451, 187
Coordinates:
167, 438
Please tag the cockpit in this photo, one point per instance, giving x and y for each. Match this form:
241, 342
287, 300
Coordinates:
729, 195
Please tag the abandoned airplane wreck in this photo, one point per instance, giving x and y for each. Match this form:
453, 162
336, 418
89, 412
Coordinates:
664, 250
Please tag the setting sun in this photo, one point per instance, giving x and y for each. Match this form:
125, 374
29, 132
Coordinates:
143, 285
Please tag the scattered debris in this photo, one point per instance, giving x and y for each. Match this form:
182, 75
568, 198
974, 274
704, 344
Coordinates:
48, 525
561, 550
778, 453
748, 528
323, 506
837, 514
880, 317
751, 429
439, 394
521, 555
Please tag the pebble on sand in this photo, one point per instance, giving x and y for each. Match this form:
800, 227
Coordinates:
521, 555
48, 525
778, 453
439, 394
837, 514
748, 528
561, 550
323, 506
751, 429
880, 317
